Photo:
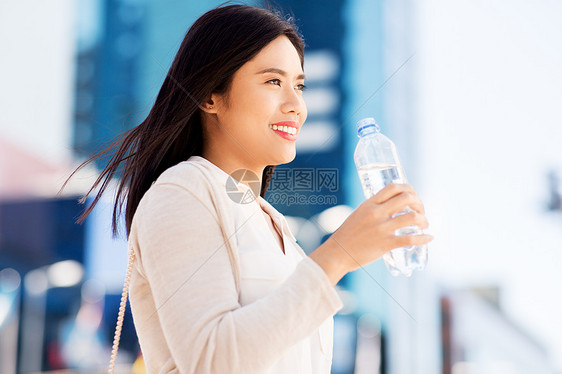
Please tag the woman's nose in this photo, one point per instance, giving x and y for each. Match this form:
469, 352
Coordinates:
293, 102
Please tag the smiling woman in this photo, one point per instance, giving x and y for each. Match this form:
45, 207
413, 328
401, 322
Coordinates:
265, 95
218, 284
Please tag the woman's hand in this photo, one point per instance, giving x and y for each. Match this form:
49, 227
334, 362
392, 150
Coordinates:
369, 232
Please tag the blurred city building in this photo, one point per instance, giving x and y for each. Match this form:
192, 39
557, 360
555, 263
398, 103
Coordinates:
478, 338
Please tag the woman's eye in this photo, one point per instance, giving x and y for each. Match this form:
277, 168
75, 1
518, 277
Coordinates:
276, 81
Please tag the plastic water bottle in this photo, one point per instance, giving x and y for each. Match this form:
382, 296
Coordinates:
377, 164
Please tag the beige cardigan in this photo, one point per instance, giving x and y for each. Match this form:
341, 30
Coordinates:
185, 285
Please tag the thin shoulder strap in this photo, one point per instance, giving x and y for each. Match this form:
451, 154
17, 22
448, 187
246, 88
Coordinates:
226, 224
121, 314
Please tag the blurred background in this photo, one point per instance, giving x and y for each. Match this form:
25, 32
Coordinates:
470, 92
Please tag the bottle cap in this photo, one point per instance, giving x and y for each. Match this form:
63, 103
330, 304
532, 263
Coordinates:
367, 122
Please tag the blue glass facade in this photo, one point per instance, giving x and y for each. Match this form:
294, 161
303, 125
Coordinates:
107, 74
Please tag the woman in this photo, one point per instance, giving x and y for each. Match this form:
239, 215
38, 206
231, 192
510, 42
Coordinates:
217, 283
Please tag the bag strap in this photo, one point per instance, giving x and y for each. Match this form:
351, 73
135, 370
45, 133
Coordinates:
226, 222
121, 314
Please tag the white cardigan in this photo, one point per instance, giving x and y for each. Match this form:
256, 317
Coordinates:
211, 292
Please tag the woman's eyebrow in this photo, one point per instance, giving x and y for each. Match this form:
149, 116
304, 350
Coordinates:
279, 71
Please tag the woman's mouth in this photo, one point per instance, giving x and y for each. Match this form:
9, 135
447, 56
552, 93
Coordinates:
284, 131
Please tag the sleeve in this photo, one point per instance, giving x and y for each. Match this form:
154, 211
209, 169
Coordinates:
186, 263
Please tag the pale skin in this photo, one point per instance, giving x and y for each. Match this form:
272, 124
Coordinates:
237, 134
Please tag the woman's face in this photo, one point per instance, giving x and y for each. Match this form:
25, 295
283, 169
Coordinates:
265, 91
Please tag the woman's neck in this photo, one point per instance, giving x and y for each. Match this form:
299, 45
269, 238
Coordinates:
230, 164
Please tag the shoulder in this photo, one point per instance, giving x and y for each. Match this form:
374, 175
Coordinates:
184, 188
187, 175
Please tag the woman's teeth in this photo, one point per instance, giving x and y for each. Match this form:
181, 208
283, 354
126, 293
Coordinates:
287, 129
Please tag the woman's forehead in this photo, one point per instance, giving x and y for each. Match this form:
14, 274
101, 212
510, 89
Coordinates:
279, 56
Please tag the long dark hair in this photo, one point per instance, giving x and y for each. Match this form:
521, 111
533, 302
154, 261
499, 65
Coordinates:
213, 49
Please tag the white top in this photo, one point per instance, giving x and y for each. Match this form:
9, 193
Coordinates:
263, 267
211, 291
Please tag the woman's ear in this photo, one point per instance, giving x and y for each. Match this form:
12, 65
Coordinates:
210, 105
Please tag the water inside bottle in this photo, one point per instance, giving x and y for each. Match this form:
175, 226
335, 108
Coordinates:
400, 260
377, 175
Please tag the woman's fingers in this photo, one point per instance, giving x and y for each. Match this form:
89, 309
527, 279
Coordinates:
370, 231
407, 219
401, 201
391, 190
409, 240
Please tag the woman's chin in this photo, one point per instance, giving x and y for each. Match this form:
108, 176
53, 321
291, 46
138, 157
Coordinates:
284, 158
